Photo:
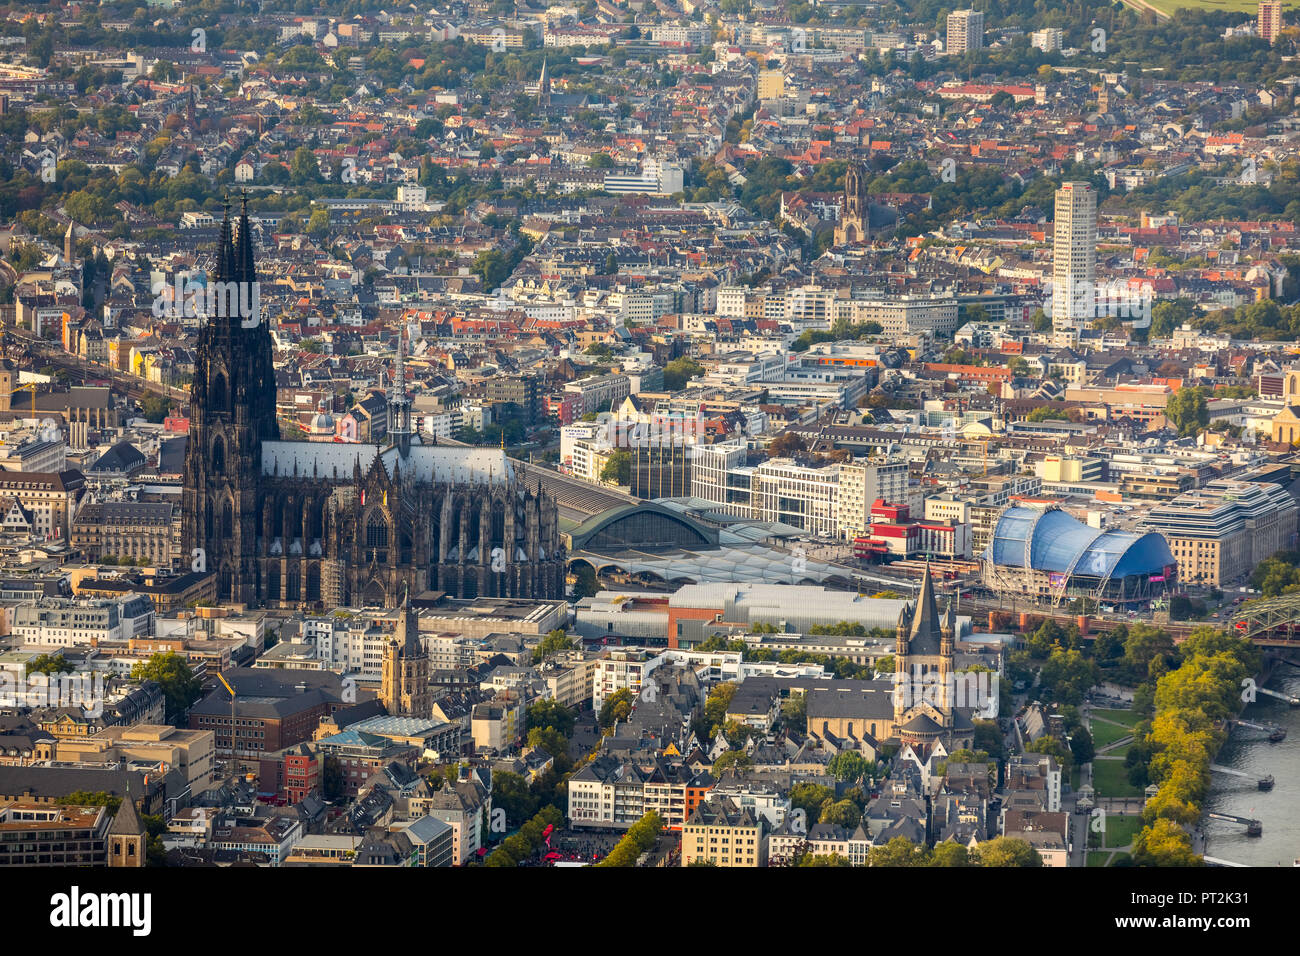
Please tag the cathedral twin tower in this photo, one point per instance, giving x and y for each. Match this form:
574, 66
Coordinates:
325, 524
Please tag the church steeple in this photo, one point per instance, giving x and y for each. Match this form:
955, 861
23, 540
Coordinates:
925, 622
399, 403
544, 87
225, 263
244, 268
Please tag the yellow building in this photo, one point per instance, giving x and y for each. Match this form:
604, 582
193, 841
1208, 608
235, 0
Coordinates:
1286, 423
188, 751
771, 84
721, 833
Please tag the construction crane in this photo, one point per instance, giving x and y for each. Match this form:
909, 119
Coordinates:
30, 386
233, 758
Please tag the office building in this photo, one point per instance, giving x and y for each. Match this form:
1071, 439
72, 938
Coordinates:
1219, 533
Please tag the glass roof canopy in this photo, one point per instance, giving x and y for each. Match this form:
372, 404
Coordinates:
1059, 543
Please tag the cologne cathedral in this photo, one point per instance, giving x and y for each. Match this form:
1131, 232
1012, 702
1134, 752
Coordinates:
337, 524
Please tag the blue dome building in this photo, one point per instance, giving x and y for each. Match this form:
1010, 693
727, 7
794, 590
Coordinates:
1047, 554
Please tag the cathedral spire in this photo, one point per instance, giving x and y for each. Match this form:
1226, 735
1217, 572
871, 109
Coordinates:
225, 263
244, 268
399, 403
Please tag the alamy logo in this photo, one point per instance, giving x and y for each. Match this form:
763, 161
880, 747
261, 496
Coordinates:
189, 297
85, 691
75, 910
660, 432
1083, 300
977, 690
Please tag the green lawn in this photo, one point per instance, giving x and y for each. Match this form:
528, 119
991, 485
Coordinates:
1228, 6
1110, 779
1104, 734
1128, 718
1120, 831
1098, 857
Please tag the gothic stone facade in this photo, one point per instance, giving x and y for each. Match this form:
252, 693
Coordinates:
287, 524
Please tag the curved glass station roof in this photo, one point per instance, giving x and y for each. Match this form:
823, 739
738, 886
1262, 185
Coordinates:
1056, 540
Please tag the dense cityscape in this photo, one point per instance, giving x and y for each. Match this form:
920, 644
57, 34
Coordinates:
658, 433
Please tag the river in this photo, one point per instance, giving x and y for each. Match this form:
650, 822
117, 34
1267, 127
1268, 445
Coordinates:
1249, 751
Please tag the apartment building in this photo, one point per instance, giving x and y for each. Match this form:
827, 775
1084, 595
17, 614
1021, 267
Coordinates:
1219, 533
78, 622
619, 670
51, 497
721, 833
965, 31
608, 792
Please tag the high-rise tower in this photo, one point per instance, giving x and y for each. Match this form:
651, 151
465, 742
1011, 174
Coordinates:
1074, 256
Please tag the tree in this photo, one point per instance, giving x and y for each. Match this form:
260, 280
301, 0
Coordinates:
1081, 746
98, 798
303, 168
679, 371
731, 760
715, 707
154, 407
833, 859
618, 468
510, 792
640, 838
1187, 411
900, 851
179, 685
810, 797
949, 854
1164, 843
1007, 851
601, 160
554, 642
48, 664
551, 713
617, 707
785, 445
845, 813
319, 224
849, 766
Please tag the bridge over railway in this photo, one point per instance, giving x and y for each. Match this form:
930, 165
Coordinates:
1272, 622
